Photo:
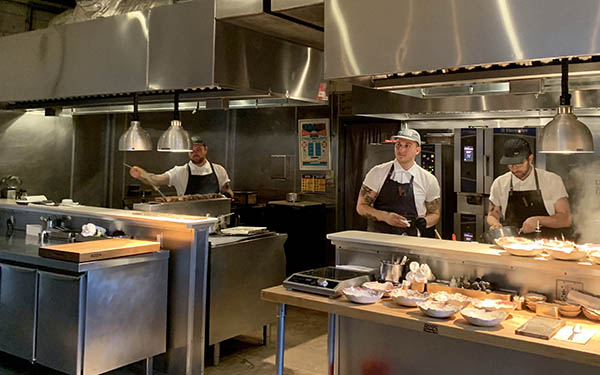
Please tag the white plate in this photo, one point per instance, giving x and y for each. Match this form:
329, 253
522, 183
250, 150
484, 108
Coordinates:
362, 295
408, 297
524, 250
482, 318
438, 309
567, 255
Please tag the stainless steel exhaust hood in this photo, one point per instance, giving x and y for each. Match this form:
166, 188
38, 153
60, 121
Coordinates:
180, 47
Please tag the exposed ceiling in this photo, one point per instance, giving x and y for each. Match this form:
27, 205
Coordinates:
54, 6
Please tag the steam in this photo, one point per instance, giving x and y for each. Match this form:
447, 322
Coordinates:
583, 184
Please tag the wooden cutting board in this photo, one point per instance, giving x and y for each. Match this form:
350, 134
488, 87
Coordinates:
97, 250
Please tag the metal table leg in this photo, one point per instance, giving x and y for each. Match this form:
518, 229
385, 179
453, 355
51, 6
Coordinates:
216, 353
148, 369
331, 342
280, 339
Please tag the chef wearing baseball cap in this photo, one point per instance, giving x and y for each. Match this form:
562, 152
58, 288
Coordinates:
526, 196
198, 176
399, 196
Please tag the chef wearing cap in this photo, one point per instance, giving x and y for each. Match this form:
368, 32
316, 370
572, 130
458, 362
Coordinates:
526, 196
399, 196
198, 176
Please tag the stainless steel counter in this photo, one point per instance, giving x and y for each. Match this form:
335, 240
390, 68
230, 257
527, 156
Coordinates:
23, 249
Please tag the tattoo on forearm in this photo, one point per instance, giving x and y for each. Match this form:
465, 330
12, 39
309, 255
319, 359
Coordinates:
494, 209
433, 207
366, 193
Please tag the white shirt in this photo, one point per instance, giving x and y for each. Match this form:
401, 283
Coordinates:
425, 185
550, 184
178, 175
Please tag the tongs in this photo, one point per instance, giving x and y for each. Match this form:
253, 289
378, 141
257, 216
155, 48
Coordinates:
146, 179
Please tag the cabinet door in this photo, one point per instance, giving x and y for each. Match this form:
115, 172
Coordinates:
59, 323
18, 291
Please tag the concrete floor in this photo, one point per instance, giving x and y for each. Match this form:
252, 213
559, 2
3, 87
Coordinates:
306, 352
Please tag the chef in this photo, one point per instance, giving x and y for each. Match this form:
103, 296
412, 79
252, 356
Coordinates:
399, 196
526, 196
198, 176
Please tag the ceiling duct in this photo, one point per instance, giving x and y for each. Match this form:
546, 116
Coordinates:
155, 52
407, 44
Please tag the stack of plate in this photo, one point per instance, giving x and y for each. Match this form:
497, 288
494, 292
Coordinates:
568, 310
531, 300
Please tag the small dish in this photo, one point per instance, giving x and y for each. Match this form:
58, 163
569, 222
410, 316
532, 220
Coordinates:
408, 297
386, 287
436, 309
362, 295
483, 318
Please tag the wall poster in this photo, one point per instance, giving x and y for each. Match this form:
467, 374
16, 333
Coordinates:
314, 144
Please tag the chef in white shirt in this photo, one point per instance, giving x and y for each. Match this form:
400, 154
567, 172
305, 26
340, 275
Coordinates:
399, 196
198, 176
527, 196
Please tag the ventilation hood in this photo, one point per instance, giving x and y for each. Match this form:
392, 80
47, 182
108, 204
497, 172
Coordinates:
432, 59
180, 47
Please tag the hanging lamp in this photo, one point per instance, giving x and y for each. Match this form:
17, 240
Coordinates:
135, 137
175, 138
565, 134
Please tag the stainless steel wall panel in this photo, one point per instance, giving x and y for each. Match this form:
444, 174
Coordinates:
366, 38
248, 59
181, 48
238, 8
311, 11
90, 58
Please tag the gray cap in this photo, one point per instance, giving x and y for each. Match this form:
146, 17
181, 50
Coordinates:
410, 134
197, 140
516, 150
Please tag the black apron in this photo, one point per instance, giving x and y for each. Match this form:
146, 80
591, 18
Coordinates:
398, 198
206, 184
525, 204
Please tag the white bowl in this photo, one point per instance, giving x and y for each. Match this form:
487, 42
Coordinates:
362, 295
408, 297
438, 309
494, 304
482, 318
386, 287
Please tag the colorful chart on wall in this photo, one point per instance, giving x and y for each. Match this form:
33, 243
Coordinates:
314, 144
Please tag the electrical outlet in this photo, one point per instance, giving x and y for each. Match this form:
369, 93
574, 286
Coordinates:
564, 286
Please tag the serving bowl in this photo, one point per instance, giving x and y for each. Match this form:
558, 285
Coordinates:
408, 297
483, 318
362, 295
437, 309
386, 287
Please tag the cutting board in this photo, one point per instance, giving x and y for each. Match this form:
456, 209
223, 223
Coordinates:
540, 327
97, 250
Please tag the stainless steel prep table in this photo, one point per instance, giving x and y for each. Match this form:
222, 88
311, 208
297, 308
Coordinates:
81, 318
240, 267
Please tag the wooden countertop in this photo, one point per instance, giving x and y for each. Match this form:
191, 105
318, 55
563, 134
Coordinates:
484, 253
387, 312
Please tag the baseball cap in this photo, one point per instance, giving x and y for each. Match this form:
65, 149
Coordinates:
197, 140
516, 150
410, 134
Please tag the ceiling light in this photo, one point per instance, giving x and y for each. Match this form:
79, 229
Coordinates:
135, 138
175, 138
565, 134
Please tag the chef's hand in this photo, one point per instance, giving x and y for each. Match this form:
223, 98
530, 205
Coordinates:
137, 172
529, 225
495, 226
396, 220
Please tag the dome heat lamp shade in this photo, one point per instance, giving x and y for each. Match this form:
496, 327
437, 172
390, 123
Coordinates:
135, 138
175, 139
565, 134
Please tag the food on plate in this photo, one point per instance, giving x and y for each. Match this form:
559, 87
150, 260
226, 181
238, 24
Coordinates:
595, 256
408, 297
362, 295
555, 244
452, 298
386, 287
436, 309
511, 240
483, 318
591, 247
494, 304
